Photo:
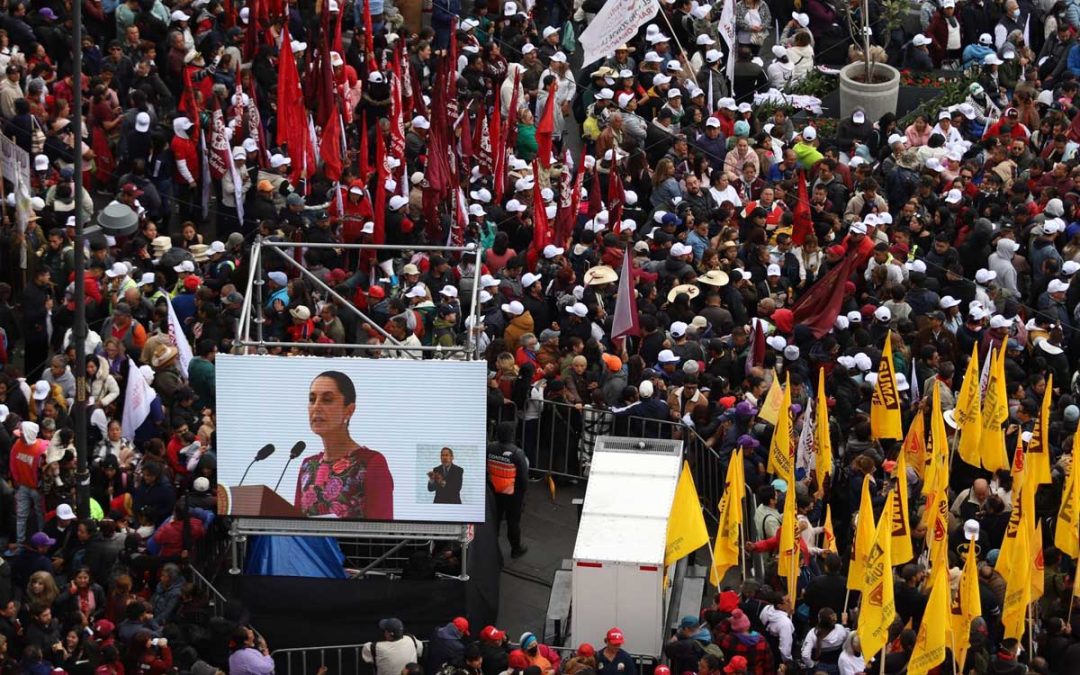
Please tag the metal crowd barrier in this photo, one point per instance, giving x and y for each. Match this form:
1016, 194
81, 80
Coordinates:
217, 600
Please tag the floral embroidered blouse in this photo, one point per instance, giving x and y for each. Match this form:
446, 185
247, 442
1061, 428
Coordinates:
357, 486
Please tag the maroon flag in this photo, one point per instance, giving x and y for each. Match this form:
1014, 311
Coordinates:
189, 106
397, 116
251, 35
483, 145
596, 205
564, 226
803, 222
616, 196
323, 91
756, 353
219, 154
465, 141
625, 320
461, 219
545, 128
820, 306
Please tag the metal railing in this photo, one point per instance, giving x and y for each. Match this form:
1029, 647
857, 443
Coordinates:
558, 439
216, 599
342, 659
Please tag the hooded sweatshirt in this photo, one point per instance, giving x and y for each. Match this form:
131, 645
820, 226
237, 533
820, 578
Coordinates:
778, 623
1001, 261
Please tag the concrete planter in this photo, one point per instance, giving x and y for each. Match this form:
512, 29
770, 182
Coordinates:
876, 98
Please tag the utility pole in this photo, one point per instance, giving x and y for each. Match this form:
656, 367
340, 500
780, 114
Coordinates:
82, 474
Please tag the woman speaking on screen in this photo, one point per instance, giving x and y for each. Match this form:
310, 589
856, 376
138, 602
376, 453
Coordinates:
346, 479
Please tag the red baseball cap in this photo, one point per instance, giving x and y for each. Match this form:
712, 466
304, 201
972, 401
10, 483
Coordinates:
131, 189
727, 601
376, 292
662, 670
585, 649
737, 664
492, 634
192, 283
462, 624
614, 637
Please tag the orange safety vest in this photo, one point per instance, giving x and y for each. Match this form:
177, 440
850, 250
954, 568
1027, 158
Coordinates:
502, 473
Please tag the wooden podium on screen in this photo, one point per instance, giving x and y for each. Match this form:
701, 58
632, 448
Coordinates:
254, 500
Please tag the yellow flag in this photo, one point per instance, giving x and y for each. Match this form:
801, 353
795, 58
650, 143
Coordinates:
1067, 533
1038, 449
822, 441
726, 550
686, 531
966, 605
738, 486
968, 412
1076, 585
829, 534
901, 529
885, 404
878, 608
864, 537
914, 446
929, 648
1038, 566
937, 530
1017, 587
781, 449
995, 412
937, 448
770, 408
1016, 516
788, 564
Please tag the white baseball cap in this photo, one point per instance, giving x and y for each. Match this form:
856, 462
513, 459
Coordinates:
1057, 286
948, 302
985, 276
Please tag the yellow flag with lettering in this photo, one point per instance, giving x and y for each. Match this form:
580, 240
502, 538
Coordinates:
1017, 586
878, 607
828, 533
781, 449
726, 551
1019, 502
937, 530
968, 412
822, 440
864, 537
788, 563
995, 412
901, 529
885, 403
966, 605
937, 448
929, 648
686, 531
914, 446
770, 408
1038, 449
1067, 533
1038, 565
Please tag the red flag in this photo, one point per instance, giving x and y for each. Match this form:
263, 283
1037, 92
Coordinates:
330, 149
379, 207
323, 92
338, 45
219, 150
189, 106
541, 227
255, 119
625, 319
292, 121
820, 306
511, 117
397, 121
363, 151
545, 128
482, 144
369, 39
803, 222
466, 142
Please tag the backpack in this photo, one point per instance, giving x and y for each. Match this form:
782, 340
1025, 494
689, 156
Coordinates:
569, 39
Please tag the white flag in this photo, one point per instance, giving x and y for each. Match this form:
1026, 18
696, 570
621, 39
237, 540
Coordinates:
806, 452
726, 26
615, 23
177, 337
138, 396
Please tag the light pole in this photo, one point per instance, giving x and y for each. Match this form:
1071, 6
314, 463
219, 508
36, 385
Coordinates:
82, 474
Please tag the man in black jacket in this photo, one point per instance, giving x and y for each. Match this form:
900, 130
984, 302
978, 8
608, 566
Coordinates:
37, 303
508, 477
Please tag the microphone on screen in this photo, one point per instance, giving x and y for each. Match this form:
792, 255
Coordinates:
264, 452
297, 450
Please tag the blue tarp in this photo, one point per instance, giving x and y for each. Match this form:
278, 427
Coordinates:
316, 557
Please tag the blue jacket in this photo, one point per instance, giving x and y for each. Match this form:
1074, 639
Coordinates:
974, 54
1074, 60
446, 647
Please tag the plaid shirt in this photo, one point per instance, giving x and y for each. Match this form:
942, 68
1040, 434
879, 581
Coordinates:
751, 646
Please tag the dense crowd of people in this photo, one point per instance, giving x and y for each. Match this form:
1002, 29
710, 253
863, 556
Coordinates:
657, 252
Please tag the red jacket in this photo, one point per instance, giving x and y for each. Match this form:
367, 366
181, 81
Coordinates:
170, 536
185, 154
